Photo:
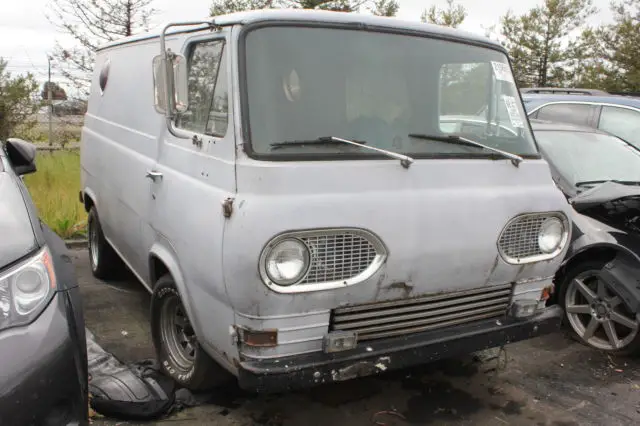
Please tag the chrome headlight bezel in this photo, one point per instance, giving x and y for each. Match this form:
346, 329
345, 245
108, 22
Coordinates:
308, 282
19, 306
542, 255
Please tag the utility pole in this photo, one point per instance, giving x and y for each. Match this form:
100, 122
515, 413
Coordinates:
50, 97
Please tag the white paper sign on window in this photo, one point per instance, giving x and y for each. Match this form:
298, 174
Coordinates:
502, 72
512, 110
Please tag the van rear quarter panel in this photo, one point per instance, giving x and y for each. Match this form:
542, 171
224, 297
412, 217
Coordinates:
119, 144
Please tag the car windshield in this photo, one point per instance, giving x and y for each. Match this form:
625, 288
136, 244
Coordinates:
589, 157
303, 83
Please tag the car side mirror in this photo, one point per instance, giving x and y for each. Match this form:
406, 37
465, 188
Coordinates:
22, 155
172, 79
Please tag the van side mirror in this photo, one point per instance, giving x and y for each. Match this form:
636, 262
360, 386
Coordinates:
22, 155
175, 82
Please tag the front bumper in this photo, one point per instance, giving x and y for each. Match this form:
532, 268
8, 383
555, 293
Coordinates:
43, 372
369, 358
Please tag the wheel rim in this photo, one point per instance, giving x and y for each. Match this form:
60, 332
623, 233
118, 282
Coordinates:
94, 250
597, 314
177, 334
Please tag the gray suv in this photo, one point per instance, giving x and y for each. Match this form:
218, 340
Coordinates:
618, 115
43, 373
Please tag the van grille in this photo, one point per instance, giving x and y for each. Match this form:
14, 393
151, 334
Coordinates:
401, 317
338, 257
520, 238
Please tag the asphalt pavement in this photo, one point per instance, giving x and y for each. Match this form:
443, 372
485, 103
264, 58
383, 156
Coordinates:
547, 381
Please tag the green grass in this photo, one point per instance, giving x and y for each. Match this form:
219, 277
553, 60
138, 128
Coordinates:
54, 189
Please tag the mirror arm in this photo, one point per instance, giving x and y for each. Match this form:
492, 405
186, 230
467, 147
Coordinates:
168, 70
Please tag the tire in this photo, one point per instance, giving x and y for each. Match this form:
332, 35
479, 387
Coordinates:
598, 323
105, 262
177, 347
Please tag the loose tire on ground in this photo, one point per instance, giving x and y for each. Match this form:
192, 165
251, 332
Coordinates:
177, 347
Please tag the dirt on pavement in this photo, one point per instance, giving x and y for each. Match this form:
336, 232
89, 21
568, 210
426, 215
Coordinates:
547, 381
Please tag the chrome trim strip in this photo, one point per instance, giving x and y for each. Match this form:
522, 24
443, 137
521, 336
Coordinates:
284, 316
293, 342
288, 354
303, 327
431, 326
408, 302
427, 312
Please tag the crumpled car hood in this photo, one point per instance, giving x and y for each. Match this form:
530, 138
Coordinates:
603, 193
17, 238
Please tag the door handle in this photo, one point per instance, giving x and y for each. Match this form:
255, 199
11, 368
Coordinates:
153, 175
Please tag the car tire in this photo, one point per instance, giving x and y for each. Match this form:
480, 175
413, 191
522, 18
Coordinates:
105, 262
177, 349
603, 320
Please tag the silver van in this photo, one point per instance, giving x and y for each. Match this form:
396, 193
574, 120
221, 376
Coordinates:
312, 196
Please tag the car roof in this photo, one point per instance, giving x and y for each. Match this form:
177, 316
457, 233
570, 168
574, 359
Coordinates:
306, 15
563, 127
534, 100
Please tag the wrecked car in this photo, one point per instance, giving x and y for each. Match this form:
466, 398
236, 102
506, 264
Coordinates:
302, 220
43, 354
598, 285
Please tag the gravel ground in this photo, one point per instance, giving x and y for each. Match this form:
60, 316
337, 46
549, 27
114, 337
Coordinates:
550, 380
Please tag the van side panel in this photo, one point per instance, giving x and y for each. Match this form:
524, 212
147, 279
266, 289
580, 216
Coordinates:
119, 145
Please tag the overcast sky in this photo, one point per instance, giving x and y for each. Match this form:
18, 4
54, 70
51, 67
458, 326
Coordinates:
26, 36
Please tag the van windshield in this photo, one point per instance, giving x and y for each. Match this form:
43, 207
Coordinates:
303, 83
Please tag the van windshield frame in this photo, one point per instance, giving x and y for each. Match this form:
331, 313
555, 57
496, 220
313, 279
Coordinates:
436, 151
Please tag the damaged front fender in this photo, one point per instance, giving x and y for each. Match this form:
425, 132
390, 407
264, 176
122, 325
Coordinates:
622, 274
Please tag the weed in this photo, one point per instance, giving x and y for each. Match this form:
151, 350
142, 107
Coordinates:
54, 189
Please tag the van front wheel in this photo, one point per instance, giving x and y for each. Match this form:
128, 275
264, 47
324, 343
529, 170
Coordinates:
177, 347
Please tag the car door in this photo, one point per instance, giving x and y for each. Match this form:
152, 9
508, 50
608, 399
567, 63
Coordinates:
621, 121
571, 113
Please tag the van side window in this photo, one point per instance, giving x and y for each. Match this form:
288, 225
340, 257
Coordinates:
207, 79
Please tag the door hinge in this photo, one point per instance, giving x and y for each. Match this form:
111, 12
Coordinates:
227, 207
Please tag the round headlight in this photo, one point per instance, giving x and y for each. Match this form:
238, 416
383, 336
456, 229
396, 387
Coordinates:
287, 262
550, 236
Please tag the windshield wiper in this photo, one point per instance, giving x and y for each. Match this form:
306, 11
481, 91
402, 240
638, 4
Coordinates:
332, 140
459, 140
595, 182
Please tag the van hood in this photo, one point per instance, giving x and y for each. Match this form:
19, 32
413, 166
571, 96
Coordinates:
440, 221
18, 238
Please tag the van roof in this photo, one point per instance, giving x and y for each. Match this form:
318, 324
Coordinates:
306, 15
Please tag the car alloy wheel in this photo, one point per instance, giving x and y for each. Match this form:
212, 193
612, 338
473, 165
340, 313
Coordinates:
597, 315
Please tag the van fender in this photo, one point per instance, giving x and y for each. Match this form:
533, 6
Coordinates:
166, 254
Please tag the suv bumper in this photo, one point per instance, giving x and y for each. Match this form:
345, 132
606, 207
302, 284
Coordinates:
369, 358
